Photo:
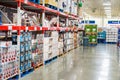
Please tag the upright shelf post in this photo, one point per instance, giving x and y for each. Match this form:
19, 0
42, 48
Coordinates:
19, 13
43, 14
19, 24
58, 14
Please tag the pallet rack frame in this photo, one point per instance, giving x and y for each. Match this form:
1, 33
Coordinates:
18, 4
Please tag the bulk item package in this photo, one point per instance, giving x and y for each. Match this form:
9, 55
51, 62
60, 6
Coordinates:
4, 20
47, 45
30, 19
8, 60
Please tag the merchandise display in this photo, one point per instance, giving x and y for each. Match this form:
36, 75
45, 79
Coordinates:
60, 43
9, 56
25, 51
65, 42
91, 33
55, 49
101, 37
75, 40
37, 49
80, 37
47, 45
111, 34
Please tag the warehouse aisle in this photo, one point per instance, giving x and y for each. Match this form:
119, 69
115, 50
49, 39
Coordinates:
89, 63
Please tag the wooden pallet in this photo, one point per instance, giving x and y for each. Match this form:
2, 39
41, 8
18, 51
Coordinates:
38, 66
60, 55
24, 73
50, 60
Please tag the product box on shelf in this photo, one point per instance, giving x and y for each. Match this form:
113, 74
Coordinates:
50, 2
35, 1
8, 60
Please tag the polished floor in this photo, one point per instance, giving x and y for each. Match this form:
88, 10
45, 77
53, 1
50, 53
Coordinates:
84, 63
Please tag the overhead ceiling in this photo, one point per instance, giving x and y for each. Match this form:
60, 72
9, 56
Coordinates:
95, 8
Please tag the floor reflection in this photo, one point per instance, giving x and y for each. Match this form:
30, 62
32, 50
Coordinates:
84, 63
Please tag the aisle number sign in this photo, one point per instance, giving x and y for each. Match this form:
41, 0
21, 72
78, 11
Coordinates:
113, 22
88, 22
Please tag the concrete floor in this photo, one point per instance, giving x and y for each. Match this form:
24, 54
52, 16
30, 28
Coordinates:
88, 63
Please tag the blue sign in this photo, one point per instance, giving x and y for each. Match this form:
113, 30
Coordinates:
91, 22
113, 22
86, 21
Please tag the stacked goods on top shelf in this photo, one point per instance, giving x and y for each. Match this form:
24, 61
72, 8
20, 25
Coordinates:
6, 16
74, 7
25, 52
9, 55
35, 1
62, 22
69, 6
91, 33
50, 21
37, 49
50, 3
30, 19
111, 35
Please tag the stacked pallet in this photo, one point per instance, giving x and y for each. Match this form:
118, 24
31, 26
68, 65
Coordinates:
25, 52
60, 43
37, 49
55, 51
47, 45
8, 60
70, 41
111, 35
91, 33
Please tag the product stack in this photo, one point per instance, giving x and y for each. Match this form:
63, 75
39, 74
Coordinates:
55, 49
101, 36
118, 42
80, 37
9, 56
25, 51
47, 45
91, 33
74, 7
60, 43
70, 41
65, 42
37, 49
75, 40
111, 35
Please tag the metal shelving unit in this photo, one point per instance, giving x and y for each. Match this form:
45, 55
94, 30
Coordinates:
19, 5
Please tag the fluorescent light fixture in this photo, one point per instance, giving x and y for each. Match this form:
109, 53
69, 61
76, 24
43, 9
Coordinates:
108, 12
107, 4
107, 8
